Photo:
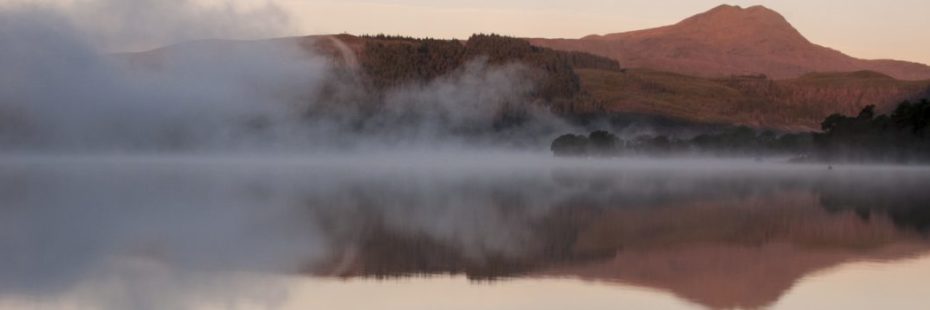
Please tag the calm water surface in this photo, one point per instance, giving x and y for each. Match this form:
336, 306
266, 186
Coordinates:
463, 231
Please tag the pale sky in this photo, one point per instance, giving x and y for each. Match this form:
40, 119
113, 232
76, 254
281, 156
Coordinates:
898, 29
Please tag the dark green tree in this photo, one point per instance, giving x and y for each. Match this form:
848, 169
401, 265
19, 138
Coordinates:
603, 143
570, 145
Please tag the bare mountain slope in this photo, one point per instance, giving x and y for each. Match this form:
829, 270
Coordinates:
730, 40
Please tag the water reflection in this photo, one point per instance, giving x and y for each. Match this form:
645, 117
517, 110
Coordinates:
169, 232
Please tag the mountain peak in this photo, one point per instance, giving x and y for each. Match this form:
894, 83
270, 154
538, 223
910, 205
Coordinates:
735, 9
726, 7
731, 40
754, 17
730, 24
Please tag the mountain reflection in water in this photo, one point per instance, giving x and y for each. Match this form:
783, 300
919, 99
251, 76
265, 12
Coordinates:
716, 233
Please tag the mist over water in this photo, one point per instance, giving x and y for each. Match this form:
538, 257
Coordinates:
194, 175
62, 91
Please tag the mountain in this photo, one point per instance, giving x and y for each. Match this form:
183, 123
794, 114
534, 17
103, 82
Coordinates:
581, 85
730, 40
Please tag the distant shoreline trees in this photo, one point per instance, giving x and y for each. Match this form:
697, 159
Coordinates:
901, 136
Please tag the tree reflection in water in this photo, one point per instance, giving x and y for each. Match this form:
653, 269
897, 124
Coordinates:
723, 240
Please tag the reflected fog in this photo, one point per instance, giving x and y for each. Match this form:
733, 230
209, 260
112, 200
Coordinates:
267, 231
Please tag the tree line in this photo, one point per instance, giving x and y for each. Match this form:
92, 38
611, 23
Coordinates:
900, 136
391, 61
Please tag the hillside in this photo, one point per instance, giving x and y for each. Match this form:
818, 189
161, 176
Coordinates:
579, 84
730, 40
794, 104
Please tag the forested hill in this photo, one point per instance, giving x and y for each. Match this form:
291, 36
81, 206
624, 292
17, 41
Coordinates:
581, 85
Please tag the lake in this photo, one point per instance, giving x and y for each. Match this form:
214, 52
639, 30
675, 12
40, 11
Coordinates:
458, 230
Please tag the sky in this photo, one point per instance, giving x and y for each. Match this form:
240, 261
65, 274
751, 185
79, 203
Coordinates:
895, 29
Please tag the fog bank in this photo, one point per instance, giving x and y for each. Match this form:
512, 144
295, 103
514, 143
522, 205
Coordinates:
62, 92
